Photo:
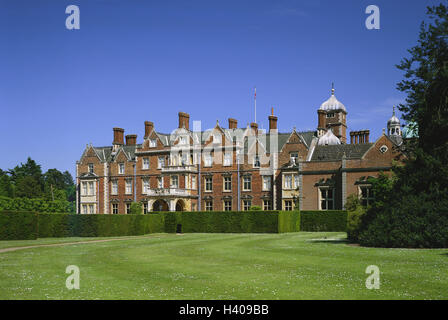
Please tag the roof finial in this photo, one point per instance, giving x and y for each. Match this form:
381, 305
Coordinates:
332, 88
272, 111
393, 107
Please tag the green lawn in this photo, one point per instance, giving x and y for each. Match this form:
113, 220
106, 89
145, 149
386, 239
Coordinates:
221, 266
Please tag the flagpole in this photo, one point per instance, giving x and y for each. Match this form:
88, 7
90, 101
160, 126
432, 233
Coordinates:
255, 104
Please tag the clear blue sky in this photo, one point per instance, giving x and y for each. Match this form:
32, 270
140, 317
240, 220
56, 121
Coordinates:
133, 61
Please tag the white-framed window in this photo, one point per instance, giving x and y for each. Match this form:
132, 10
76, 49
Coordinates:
128, 186
288, 181
326, 198
121, 168
330, 115
159, 182
128, 208
90, 167
227, 159
145, 207
208, 183
193, 182
84, 188
145, 163
115, 187
114, 208
84, 208
296, 181
160, 162
247, 183
174, 181
267, 204
288, 205
208, 205
91, 209
227, 205
91, 188
145, 186
208, 160
294, 155
216, 138
267, 182
247, 204
185, 159
227, 183
366, 194
153, 143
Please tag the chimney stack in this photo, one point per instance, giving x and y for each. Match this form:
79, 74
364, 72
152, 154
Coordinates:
118, 136
272, 121
359, 137
149, 126
184, 120
233, 123
131, 139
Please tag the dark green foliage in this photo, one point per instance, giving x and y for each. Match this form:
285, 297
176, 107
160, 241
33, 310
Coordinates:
136, 208
289, 221
355, 211
18, 225
255, 208
223, 221
38, 205
331, 220
413, 211
98, 225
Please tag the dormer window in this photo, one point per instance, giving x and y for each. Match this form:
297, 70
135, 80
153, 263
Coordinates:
216, 138
90, 167
152, 143
121, 168
330, 115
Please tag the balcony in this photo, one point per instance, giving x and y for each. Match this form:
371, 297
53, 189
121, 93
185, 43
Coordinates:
179, 169
165, 192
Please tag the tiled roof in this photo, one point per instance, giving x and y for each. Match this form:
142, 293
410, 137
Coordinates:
335, 152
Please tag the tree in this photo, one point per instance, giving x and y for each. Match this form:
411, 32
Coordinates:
136, 208
27, 179
411, 210
6, 188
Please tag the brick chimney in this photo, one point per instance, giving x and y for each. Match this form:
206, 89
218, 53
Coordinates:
272, 121
254, 127
184, 120
131, 139
149, 126
118, 136
233, 123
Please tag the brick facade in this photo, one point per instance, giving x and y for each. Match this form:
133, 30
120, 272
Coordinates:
300, 171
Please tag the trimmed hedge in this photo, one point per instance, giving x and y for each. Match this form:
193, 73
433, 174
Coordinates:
223, 221
331, 220
28, 225
98, 225
288, 221
18, 225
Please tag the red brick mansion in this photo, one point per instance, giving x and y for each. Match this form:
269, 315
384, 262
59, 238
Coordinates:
235, 168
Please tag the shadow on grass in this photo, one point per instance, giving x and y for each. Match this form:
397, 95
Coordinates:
329, 241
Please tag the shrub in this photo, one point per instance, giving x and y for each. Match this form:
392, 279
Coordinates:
136, 208
21, 225
331, 220
355, 211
